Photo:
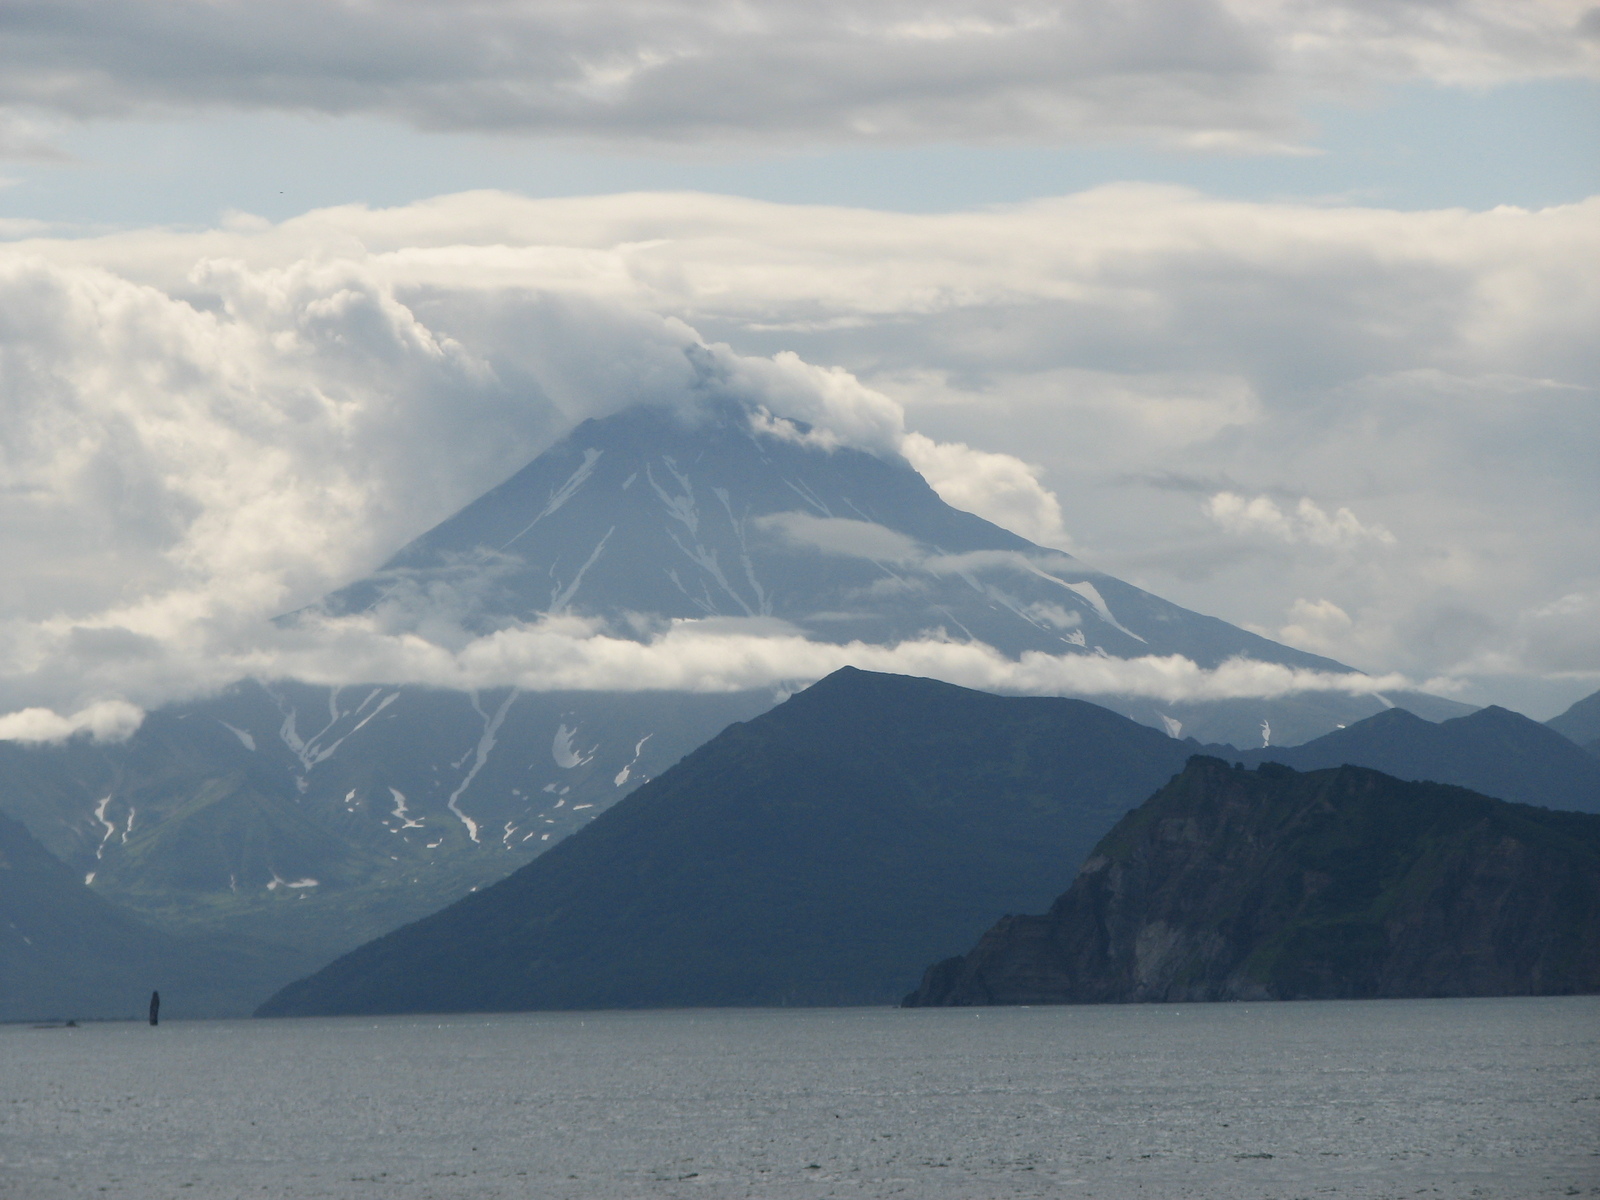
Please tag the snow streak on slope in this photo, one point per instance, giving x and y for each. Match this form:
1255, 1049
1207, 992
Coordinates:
100, 815
562, 494
485, 744
246, 739
401, 813
622, 776
559, 596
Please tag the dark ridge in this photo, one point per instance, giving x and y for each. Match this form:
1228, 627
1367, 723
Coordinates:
1493, 750
1231, 884
818, 854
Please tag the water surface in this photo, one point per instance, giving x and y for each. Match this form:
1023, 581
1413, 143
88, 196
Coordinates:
1443, 1098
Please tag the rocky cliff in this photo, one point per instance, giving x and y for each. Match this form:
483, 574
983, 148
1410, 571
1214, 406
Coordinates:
1232, 884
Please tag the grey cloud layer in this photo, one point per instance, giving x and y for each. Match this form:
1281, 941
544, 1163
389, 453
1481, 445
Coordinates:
1203, 73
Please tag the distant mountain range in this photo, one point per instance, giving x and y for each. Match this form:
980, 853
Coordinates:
1581, 724
320, 817
817, 854
1493, 751
1231, 884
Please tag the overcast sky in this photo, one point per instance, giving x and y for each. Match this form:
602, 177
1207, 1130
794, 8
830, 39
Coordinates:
1284, 310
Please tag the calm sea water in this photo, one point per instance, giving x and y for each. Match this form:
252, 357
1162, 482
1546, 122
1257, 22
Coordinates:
1451, 1098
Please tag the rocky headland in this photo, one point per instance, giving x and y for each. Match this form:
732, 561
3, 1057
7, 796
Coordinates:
1235, 884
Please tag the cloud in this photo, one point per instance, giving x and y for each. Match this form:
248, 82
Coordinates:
568, 653
107, 721
204, 428
999, 487
844, 536
1307, 522
1563, 637
1320, 626
1203, 74
832, 399
179, 464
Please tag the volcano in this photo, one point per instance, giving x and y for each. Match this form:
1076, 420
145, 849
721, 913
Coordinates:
653, 515
320, 817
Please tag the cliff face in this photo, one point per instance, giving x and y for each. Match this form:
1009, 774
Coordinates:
1231, 884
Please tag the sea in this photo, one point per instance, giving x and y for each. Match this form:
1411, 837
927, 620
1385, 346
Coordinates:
1417, 1098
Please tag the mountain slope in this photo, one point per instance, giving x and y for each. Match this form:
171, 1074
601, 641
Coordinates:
324, 817
1345, 883
1581, 723
651, 512
813, 855
1494, 751
66, 952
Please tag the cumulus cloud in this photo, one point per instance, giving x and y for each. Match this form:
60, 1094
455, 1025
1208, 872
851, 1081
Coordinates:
1000, 487
179, 464
106, 721
1208, 74
203, 428
1305, 522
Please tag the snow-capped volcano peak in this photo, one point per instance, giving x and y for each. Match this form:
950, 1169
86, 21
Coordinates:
648, 516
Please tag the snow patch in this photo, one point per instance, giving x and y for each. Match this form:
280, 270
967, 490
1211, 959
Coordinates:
1092, 594
1173, 726
246, 739
278, 881
401, 813
562, 751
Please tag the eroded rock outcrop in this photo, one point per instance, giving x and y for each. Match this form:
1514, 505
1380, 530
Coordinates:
1230, 884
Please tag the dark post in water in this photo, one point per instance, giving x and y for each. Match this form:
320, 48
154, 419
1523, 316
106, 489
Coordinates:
155, 1008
